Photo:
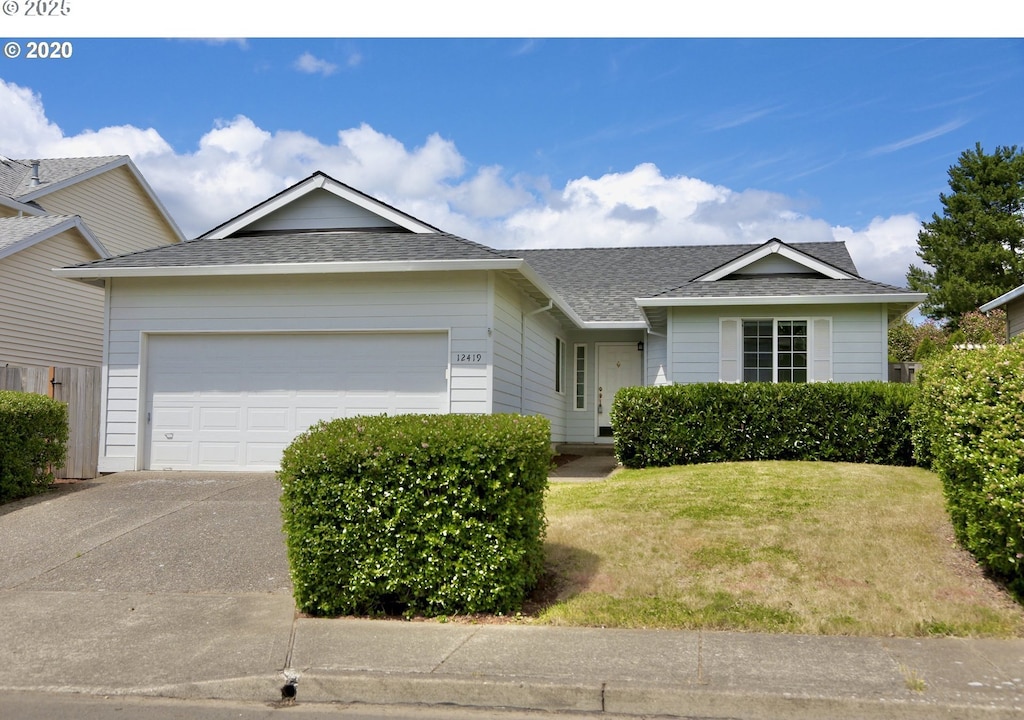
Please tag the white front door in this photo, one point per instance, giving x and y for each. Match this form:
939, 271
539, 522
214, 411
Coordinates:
619, 365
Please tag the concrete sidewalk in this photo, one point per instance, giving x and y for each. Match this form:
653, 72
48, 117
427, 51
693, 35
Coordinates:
176, 585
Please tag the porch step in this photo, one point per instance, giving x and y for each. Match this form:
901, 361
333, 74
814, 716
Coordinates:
606, 449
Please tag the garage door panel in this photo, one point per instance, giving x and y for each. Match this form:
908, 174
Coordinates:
171, 418
212, 419
236, 401
264, 419
176, 452
219, 453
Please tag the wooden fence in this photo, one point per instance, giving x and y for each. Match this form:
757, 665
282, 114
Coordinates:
79, 387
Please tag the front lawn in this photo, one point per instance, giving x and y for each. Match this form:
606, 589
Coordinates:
797, 547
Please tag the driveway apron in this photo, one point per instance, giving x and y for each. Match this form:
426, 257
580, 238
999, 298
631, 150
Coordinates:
143, 579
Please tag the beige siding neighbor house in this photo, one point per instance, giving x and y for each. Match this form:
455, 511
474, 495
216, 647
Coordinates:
61, 211
324, 302
1013, 303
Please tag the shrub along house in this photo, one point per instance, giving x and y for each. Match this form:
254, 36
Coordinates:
324, 302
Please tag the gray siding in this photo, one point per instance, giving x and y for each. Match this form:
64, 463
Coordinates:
320, 209
539, 396
1015, 317
411, 301
859, 339
507, 347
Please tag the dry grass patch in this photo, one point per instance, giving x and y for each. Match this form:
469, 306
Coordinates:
815, 548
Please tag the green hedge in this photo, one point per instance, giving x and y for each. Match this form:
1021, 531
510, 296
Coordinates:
969, 426
33, 441
416, 514
718, 422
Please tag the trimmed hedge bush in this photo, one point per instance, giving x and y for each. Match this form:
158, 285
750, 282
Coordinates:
718, 422
416, 514
33, 441
969, 425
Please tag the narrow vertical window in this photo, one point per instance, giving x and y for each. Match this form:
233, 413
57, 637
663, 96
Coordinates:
580, 375
757, 351
792, 342
559, 365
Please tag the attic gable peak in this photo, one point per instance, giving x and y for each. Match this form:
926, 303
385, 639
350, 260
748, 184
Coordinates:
794, 260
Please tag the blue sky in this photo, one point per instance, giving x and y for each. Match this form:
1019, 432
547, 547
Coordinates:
544, 142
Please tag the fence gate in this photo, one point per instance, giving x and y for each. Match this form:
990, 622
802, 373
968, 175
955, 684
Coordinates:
79, 387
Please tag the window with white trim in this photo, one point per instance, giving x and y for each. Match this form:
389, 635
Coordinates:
559, 365
776, 349
579, 354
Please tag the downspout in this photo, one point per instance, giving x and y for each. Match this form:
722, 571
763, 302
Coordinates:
522, 351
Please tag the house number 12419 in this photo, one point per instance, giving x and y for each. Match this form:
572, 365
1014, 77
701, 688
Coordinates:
469, 357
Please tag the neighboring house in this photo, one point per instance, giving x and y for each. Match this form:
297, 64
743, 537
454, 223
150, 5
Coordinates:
56, 212
1013, 303
323, 302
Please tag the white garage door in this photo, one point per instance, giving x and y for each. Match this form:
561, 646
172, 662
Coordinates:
234, 402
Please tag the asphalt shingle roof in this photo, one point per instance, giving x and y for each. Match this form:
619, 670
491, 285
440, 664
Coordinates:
307, 247
778, 286
16, 175
16, 229
601, 284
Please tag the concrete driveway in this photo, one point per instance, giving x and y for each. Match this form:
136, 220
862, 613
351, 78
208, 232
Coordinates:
140, 580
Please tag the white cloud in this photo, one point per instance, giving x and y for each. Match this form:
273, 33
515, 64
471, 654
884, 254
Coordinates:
885, 249
25, 128
237, 164
309, 63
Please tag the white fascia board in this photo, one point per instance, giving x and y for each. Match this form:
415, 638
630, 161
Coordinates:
46, 188
91, 273
377, 207
1003, 299
317, 181
21, 207
531, 275
139, 178
67, 224
912, 299
780, 248
615, 325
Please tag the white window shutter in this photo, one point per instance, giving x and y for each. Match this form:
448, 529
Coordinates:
729, 365
821, 350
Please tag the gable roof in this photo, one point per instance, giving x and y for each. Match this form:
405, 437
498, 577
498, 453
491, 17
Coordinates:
801, 261
20, 181
319, 181
603, 284
19, 233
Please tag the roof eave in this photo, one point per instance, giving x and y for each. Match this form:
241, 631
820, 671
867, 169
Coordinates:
1003, 299
21, 207
324, 268
73, 222
912, 299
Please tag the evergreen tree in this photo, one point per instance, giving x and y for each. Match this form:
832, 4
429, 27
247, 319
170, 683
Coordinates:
975, 249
